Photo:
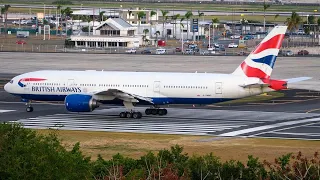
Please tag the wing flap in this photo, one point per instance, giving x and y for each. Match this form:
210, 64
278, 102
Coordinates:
125, 96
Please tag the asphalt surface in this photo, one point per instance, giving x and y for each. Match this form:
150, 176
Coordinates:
294, 116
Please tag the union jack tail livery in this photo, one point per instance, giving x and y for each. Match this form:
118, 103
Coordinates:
260, 62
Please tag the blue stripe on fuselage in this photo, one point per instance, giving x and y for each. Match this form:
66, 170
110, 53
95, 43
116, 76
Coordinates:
268, 60
157, 101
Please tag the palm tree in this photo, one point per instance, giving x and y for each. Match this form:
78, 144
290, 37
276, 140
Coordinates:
164, 19
145, 31
275, 17
293, 21
152, 13
4, 10
157, 33
68, 11
2, 13
175, 17
59, 11
181, 25
200, 14
141, 14
214, 21
188, 15
101, 16
265, 7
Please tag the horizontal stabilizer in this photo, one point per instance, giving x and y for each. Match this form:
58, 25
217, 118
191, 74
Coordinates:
255, 85
294, 80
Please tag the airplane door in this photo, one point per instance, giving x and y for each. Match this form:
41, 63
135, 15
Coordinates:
70, 82
26, 87
218, 87
156, 88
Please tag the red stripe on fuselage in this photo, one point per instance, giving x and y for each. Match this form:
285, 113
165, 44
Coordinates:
253, 72
32, 79
273, 43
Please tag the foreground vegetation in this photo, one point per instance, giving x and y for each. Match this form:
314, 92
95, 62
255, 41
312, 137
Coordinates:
28, 155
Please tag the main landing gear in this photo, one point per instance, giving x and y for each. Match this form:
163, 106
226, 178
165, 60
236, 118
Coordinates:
137, 115
131, 113
29, 107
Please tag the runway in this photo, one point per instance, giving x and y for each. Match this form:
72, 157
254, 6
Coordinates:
294, 116
218, 123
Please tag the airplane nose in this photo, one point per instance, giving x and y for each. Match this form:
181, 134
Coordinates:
6, 87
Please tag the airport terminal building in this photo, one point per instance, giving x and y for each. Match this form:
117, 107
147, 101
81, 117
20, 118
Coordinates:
112, 33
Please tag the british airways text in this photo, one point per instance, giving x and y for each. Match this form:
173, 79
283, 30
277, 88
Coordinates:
55, 89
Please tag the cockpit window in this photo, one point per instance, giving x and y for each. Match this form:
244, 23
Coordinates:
11, 81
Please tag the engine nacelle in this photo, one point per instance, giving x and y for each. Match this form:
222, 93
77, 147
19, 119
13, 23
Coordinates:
80, 103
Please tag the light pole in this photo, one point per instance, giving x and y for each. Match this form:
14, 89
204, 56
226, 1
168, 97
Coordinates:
314, 26
241, 21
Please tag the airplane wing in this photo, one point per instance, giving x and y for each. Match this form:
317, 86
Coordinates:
125, 96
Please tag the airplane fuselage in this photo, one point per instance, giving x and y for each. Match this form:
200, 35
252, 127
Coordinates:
162, 88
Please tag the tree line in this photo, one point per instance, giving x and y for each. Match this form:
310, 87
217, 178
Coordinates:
24, 154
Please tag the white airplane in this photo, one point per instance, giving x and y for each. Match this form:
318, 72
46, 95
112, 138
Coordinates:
84, 91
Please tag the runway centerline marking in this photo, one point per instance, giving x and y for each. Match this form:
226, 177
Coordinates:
4, 111
260, 128
312, 110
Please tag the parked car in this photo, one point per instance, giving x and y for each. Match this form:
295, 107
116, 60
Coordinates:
178, 49
204, 52
220, 48
242, 53
235, 37
21, 42
286, 53
22, 36
232, 45
189, 51
146, 51
300, 32
248, 37
303, 52
161, 51
131, 51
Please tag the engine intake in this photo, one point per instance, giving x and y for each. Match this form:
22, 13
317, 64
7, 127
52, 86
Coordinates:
80, 103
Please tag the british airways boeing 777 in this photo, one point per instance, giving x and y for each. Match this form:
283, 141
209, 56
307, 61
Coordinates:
84, 91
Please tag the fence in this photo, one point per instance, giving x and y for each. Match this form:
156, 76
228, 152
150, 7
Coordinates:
45, 48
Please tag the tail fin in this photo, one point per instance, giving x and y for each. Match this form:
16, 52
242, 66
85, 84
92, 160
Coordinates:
260, 62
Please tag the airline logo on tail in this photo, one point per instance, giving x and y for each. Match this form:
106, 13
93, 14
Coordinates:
261, 61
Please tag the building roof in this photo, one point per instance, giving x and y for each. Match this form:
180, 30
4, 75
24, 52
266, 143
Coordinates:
96, 12
122, 22
117, 24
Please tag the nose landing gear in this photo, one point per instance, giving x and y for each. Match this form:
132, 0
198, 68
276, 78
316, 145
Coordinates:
29, 107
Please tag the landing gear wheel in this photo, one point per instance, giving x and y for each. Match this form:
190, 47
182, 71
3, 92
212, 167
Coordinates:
122, 115
162, 112
154, 111
148, 111
29, 109
137, 115
129, 115
165, 112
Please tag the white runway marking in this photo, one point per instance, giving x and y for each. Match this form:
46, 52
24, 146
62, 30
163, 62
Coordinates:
4, 111
260, 128
178, 121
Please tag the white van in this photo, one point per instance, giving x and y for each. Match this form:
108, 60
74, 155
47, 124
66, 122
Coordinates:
160, 51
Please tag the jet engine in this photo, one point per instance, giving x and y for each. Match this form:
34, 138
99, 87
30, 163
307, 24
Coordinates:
80, 103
